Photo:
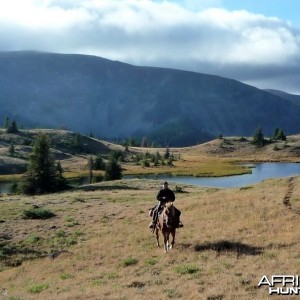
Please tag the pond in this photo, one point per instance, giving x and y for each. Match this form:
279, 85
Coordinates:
260, 172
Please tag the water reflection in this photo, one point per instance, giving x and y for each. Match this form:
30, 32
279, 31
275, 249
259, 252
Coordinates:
259, 173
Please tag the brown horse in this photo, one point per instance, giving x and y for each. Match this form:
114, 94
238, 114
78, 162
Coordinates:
167, 223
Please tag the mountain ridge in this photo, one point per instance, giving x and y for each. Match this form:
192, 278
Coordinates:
112, 99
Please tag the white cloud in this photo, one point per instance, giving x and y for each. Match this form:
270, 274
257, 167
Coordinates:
160, 33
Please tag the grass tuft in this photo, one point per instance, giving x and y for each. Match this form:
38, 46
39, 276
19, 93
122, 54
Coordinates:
37, 288
187, 269
151, 261
129, 261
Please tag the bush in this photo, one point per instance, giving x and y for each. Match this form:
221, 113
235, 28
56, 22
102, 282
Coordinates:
186, 269
37, 288
129, 261
37, 213
151, 261
6, 251
14, 189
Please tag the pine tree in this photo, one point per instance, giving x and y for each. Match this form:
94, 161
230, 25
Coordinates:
11, 149
258, 138
113, 170
167, 153
279, 135
42, 175
91, 163
61, 180
12, 127
91, 167
99, 164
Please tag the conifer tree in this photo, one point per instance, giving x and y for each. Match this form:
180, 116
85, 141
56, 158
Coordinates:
258, 138
279, 135
12, 127
113, 170
99, 164
11, 149
42, 175
167, 153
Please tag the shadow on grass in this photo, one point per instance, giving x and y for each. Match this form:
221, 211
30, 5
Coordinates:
229, 246
12, 255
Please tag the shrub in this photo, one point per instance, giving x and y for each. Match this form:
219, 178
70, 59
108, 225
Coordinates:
14, 188
65, 276
178, 189
129, 261
186, 269
37, 288
145, 163
37, 213
6, 251
33, 239
151, 261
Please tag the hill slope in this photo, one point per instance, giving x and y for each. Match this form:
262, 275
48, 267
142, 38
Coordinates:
293, 98
230, 239
113, 99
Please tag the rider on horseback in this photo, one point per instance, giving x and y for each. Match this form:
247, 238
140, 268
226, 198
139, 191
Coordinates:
163, 196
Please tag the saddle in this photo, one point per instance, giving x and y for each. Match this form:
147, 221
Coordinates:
166, 221
151, 210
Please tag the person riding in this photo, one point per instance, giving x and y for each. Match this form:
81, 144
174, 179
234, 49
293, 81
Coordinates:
164, 195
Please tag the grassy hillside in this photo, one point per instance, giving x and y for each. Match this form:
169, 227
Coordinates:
98, 245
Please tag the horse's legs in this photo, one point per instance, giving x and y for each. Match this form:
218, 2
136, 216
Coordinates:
165, 244
173, 238
157, 237
166, 241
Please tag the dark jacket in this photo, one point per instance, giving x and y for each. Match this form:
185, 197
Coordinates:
167, 193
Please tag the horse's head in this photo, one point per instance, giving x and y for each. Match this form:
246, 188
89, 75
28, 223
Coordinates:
169, 207
169, 214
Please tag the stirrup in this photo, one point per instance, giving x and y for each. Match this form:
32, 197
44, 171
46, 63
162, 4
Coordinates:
151, 225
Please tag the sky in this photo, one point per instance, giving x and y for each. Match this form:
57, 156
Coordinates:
254, 41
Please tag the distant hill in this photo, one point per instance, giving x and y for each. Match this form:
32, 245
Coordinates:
293, 98
115, 100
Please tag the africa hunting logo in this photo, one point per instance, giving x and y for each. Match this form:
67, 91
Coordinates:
281, 284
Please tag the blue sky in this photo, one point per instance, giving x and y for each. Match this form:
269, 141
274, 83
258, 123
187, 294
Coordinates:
285, 9
254, 41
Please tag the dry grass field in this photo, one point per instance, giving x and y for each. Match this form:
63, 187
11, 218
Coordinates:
98, 245
94, 242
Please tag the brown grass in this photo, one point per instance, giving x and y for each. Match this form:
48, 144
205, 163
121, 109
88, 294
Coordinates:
231, 238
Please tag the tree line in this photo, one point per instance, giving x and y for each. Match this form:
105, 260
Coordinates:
259, 139
45, 175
